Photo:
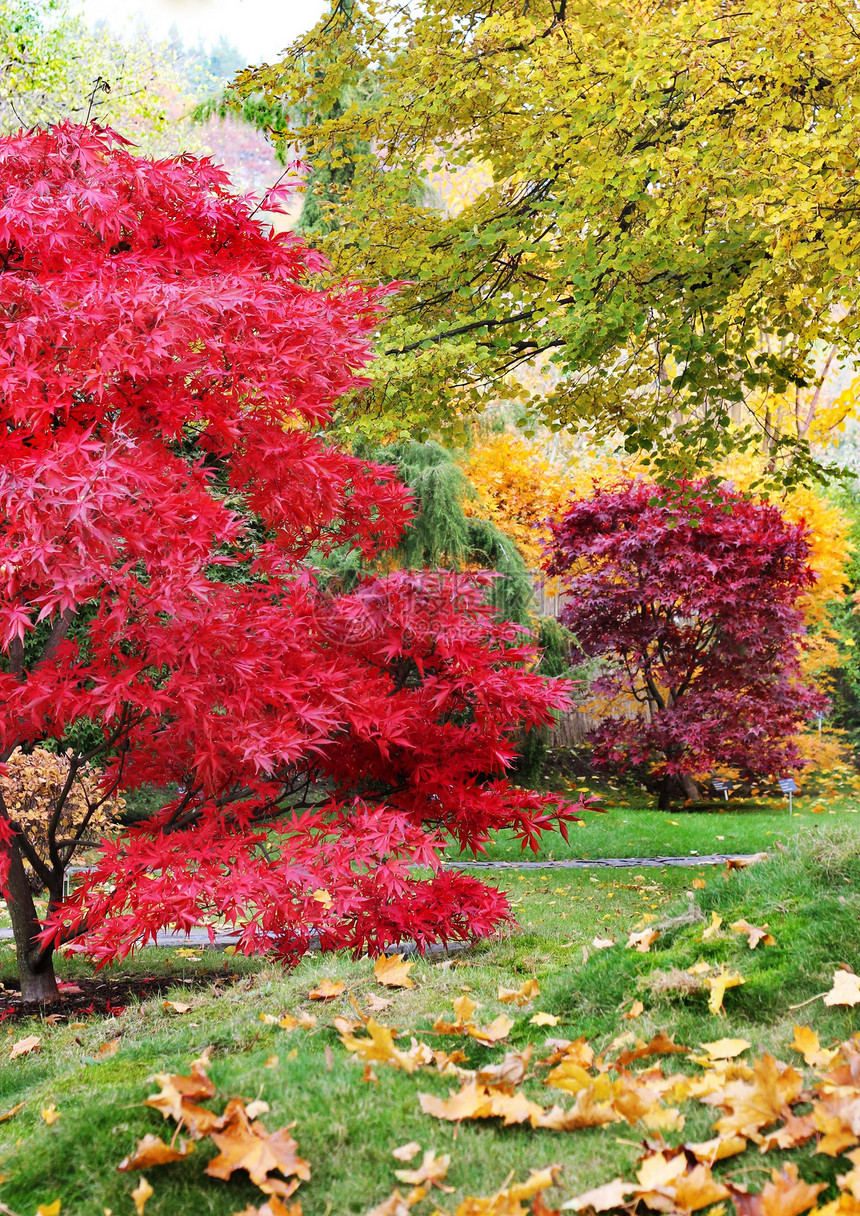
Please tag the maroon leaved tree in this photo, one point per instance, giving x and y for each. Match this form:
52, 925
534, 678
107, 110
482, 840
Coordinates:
691, 600
167, 369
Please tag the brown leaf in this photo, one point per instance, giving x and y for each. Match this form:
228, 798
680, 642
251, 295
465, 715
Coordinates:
272, 1207
393, 971
635, 1011
177, 1006
24, 1047
784, 1195
369, 1075
152, 1150
13, 1110
244, 1145
507, 1075
327, 990
660, 1045
377, 1004
178, 1099
526, 992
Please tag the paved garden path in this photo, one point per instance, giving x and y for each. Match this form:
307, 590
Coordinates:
199, 939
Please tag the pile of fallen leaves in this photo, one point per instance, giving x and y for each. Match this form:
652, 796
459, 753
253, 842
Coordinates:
270, 1159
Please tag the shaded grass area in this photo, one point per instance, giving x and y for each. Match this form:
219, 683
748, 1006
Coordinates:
347, 1127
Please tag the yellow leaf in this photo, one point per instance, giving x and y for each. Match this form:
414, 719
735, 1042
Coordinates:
544, 1019
806, 1042
699, 884
602, 943
393, 971
602, 1198
718, 984
845, 990
635, 1011
50, 1114
322, 897
327, 990
725, 1049
49, 1209
177, 1006
497, 1030
140, 1194
713, 928
520, 996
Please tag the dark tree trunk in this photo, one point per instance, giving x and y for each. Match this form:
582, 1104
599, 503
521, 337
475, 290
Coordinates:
35, 966
664, 802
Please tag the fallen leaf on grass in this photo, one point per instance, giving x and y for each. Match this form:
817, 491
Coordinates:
717, 1149
497, 1030
13, 1110
49, 1209
394, 1205
24, 1047
642, 941
108, 1049
713, 928
718, 984
379, 1047
845, 990
246, 1145
177, 1006
699, 884
660, 1045
179, 1097
806, 1042
393, 971
725, 1049
754, 933
406, 1151
152, 1150
327, 990
784, 1195
603, 943
506, 1202
601, 1198
140, 1194
544, 1019
635, 1011
431, 1170
273, 1207
520, 996
377, 1004
50, 1114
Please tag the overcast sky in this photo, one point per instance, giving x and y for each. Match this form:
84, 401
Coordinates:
260, 29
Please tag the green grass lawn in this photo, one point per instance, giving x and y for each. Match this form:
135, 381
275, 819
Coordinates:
347, 1128
631, 827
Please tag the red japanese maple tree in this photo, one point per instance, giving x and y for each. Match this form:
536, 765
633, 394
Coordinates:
167, 368
691, 598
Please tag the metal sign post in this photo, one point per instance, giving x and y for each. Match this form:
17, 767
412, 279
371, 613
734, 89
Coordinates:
789, 786
723, 787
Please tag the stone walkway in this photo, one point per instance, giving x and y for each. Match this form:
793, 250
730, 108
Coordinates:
609, 863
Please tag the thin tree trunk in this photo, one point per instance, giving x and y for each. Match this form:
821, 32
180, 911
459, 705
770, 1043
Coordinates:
665, 800
35, 965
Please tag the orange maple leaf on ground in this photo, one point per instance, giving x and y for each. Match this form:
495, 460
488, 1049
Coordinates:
152, 1150
248, 1146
